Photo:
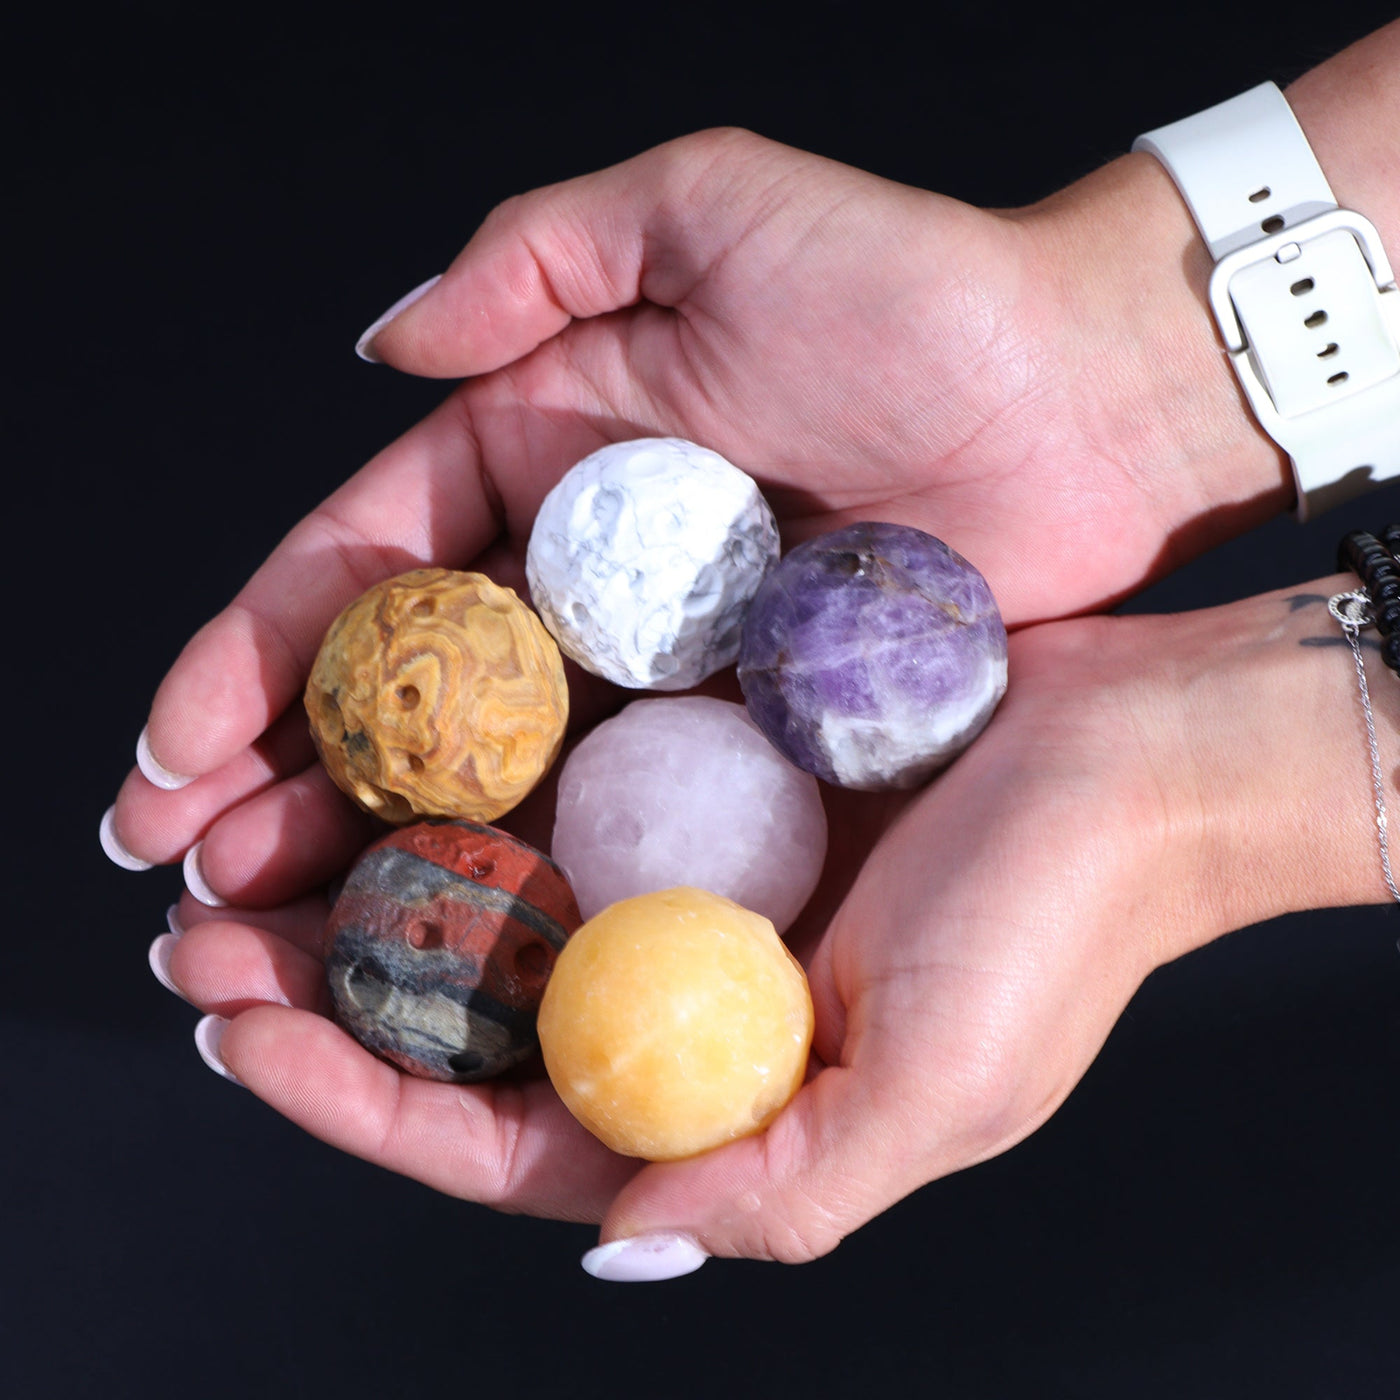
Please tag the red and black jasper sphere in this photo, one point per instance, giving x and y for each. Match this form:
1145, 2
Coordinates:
440, 944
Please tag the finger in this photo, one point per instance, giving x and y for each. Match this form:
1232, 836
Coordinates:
917, 1078
225, 966
303, 833
646, 229
283, 843
424, 499
857, 1138
513, 1146
851, 1142
159, 826
832, 1160
302, 922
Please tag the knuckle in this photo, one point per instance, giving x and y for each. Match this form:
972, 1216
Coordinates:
508, 212
989, 1108
702, 166
803, 1241
813, 1206
714, 143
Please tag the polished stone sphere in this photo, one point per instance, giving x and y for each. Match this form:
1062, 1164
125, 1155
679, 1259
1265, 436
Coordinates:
675, 1022
437, 694
872, 656
644, 557
439, 946
685, 790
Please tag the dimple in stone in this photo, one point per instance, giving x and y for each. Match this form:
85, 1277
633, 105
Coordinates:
439, 946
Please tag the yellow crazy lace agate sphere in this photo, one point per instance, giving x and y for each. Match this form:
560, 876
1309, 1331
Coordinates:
437, 694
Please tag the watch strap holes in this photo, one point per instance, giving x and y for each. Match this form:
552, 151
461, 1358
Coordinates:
1318, 318
1303, 287
1260, 195
1274, 224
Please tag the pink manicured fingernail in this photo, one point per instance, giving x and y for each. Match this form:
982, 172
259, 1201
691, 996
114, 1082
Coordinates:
172, 920
154, 771
112, 846
645, 1258
364, 346
207, 1035
159, 958
195, 882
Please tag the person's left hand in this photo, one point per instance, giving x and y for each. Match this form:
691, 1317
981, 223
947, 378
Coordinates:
965, 972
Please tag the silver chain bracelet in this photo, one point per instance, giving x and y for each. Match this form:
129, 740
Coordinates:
1354, 612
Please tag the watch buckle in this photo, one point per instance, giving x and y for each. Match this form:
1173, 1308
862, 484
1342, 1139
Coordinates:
1302, 358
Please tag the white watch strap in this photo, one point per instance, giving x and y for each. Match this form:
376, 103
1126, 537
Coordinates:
1302, 292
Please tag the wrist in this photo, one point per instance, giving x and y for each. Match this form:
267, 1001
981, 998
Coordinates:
1349, 109
1272, 806
1134, 271
1133, 274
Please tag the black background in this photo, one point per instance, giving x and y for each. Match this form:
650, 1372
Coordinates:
210, 209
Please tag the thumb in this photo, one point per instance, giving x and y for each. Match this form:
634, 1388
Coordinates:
838, 1155
646, 229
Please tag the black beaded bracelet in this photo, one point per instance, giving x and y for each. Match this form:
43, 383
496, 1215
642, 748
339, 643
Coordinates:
1375, 560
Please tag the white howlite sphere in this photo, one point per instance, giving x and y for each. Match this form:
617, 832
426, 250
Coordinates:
643, 560
686, 791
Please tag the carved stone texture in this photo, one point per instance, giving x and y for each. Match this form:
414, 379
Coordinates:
643, 559
437, 694
439, 946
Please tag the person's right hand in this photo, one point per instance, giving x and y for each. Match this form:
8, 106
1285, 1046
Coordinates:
1043, 391
866, 350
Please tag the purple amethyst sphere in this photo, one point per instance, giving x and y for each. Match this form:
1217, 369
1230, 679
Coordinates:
873, 656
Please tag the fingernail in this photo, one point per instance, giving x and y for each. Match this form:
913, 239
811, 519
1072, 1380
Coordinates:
155, 772
645, 1258
172, 920
113, 848
159, 958
195, 882
364, 346
207, 1035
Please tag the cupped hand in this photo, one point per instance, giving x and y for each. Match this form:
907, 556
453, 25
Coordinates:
1146, 784
969, 952
864, 349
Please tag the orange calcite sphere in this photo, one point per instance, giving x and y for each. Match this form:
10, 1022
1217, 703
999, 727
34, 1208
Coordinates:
437, 694
674, 1022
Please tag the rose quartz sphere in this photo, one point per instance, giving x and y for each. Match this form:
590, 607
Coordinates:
687, 791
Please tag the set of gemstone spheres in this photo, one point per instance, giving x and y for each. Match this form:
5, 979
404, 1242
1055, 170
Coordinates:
867, 658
